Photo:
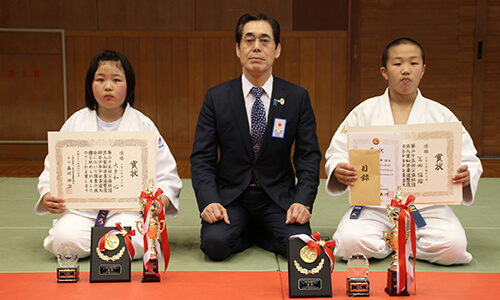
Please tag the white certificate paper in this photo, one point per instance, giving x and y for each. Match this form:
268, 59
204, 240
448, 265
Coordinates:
390, 152
101, 170
431, 153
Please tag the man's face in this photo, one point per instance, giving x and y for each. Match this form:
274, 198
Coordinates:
257, 49
405, 69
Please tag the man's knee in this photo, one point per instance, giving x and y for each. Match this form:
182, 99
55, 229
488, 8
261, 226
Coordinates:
215, 246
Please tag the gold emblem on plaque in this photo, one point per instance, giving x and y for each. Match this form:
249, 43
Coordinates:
308, 255
112, 242
305, 271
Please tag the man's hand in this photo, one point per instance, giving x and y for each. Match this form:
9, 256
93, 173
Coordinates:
297, 213
345, 174
53, 204
462, 176
214, 212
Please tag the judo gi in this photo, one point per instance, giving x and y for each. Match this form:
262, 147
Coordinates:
75, 225
443, 239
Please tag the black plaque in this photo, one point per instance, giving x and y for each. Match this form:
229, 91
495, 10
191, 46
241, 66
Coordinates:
311, 278
109, 265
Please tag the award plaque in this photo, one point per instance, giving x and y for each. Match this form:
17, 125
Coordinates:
357, 275
309, 272
67, 257
112, 264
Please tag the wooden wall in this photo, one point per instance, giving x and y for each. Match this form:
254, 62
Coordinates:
179, 48
450, 32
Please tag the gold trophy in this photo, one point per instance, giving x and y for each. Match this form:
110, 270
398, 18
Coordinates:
151, 235
391, 239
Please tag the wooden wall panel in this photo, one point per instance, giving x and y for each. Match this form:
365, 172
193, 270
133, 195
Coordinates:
74, 14
446, 31
491, 57
224, 14
31, 85
146, 15
320, 15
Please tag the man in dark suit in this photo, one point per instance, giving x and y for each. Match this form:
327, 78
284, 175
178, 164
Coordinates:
241, 167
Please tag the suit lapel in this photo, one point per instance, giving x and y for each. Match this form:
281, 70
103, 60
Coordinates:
275, 110
235, 96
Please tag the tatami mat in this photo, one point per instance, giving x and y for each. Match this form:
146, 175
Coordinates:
22, 233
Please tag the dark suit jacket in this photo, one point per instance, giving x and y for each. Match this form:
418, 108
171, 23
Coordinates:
222, 159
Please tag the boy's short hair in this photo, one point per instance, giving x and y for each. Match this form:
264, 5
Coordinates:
397, 42
122, 62
257, 17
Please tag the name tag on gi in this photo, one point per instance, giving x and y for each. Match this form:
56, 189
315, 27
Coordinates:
279, 128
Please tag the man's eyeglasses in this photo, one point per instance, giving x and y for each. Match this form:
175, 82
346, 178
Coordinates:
250, 41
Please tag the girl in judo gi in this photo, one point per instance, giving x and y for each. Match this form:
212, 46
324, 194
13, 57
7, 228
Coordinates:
109, 99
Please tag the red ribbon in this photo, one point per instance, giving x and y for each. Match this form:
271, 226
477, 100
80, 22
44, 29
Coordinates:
402, 256
317, 243
164, 236
126, 235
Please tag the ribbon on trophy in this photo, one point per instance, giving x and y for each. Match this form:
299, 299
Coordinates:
164, 237
314, 241
403, 248
126, 234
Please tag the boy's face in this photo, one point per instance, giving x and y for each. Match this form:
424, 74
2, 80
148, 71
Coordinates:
405, 69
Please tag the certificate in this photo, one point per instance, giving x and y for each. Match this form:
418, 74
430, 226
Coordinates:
101, 170
431, 153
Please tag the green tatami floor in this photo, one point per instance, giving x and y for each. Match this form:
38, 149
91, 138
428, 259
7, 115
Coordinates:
22, 233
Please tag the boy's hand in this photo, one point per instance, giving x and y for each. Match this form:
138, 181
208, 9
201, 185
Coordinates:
462, 176
345, 173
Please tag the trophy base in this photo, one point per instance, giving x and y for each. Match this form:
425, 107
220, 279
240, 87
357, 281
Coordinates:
148, 276
68, 274
392, 285
358, 287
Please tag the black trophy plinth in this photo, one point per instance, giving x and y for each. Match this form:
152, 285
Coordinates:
68, 274
358, 287
311, 278
147, 275
109, 265
392, 285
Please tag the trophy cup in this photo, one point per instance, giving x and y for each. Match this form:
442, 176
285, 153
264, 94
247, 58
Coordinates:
357, 275
391, 239
151, 234
67, 257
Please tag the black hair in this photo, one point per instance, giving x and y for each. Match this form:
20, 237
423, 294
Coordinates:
257, 17
122, 62
397, 42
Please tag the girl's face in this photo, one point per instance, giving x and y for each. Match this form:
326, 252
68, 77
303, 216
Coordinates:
110, 88
405, 69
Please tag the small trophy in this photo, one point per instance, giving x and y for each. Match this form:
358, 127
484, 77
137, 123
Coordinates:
357, 275
152, 233
67, 257
391, 239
